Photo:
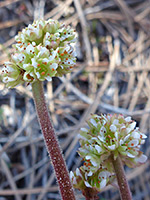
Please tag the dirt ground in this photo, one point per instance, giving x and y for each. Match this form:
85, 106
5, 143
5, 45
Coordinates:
111, 76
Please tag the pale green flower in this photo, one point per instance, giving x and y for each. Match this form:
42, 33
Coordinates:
12, 74
51, 26
81, 179
67, 59
33, 33
48, 33
43, 50
112, 135
106, 137
37, 62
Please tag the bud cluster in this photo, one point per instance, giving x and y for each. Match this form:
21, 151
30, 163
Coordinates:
107, 137
43, 50
83, 178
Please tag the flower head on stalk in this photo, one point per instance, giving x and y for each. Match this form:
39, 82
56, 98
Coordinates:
107, 136
82, 179
43, 50
112, 134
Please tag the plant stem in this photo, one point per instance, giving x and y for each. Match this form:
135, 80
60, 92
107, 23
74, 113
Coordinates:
51, 142
121, 178
90, 194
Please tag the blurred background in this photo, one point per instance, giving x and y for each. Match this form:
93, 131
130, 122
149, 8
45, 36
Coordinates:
111, 76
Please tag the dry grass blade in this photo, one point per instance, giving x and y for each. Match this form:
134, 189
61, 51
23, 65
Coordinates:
111, 76
84, 30
7, 2
10, 179
17, 133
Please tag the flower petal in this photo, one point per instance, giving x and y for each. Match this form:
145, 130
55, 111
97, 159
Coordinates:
142, 159
128, 119
94, 163
87, 184
112, 147
90, 173
116, 121
101, 138
93, 122
98, 148
88, 157
78, 173
116, 135
135, 135
130, 155
143, 136
121, 142
126, 137
133, 143
102, 175
71, 175
131, 127
103, 183
113, 128
102, 130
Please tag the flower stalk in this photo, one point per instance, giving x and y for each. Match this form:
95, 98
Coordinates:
44, 50
108, 142
124, 189
90, 194
51, 142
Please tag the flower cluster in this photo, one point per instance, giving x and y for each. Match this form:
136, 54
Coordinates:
107, 136
83, 178
43, 50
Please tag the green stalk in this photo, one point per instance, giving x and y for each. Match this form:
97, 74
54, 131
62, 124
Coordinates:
51, 142
124, 189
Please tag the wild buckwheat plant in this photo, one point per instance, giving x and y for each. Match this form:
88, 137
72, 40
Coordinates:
44, 50
107, 143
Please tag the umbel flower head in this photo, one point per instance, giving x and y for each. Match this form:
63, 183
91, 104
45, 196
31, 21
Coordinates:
107, 136
112, 135
83, 178
43, 50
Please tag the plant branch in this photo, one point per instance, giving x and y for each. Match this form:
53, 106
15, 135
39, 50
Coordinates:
51, 142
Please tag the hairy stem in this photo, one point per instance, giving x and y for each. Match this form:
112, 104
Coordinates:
90, 194
121, 178
51, 142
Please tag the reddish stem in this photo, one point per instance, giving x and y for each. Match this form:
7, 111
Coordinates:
51, 142
90, 194
121, 178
